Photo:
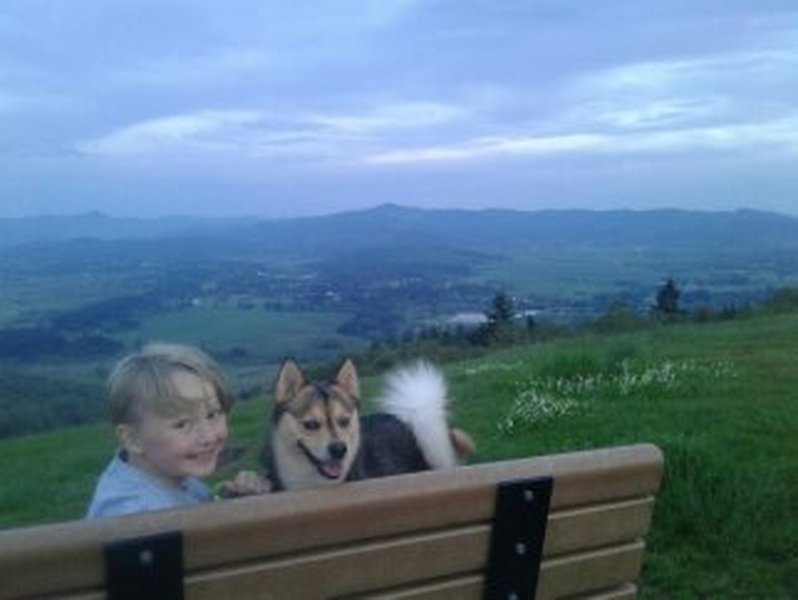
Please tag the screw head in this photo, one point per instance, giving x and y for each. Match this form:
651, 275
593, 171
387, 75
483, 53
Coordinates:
146, 558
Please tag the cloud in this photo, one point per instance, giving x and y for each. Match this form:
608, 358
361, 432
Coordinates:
393, 93
256, 133
196, 130
392, 117
779, 134
677, 93
657, 77
249, 41
488, 147
653, 113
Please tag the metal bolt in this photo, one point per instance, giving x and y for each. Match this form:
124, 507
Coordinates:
146, 558
529, 495
520, 548
512, 596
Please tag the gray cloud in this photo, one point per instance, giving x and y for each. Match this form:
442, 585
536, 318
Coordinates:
429, 102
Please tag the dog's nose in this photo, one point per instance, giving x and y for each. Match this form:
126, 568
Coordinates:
337, 450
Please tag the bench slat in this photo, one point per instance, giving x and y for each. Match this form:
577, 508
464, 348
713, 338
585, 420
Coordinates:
470, 588
353, 570
596, 526
389, 565
627, 591
590, 571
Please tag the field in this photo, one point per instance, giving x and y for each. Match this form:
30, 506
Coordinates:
252, 342
720, 399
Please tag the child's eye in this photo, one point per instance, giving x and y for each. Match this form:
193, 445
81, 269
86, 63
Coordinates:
182, 424
311, 425
214, 414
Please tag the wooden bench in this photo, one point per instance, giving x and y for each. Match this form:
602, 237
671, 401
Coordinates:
470, 533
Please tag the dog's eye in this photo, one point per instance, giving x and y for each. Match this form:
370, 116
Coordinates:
311, 425
343, 422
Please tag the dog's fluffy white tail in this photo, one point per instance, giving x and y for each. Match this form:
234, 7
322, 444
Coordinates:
417, 395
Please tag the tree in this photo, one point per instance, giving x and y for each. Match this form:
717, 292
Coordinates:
499, 323
502, 310
668, 299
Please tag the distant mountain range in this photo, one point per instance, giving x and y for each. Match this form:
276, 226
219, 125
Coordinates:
255, 289
97, 226
422, 259
396, 227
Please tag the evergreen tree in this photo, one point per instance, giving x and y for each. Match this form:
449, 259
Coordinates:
668, 299
499, 324
502, 310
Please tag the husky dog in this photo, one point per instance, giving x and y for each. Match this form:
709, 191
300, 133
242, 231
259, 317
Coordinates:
319, 438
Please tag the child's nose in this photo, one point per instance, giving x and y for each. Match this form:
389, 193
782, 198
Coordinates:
206, 431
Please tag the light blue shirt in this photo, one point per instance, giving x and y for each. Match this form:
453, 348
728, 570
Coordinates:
125, 489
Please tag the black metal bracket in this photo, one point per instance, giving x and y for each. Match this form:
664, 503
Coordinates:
145, 567
516, 545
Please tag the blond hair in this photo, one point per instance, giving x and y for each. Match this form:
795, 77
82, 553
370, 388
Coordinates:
143, 380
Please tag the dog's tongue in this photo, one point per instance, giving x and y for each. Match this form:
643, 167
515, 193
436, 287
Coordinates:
333, 468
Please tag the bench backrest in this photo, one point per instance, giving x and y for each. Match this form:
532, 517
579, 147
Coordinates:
426, 535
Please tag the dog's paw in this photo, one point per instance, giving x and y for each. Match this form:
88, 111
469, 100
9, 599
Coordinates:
463, 443
245, 483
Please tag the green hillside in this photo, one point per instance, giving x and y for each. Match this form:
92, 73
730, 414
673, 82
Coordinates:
721, 399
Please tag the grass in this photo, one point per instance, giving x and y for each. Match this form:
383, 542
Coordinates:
720, 399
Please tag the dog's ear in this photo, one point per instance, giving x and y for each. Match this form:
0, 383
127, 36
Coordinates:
347, 378
290, 380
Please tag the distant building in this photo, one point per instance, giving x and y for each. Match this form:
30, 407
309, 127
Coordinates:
467, 319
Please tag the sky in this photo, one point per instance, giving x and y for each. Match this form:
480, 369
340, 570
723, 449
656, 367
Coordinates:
142, 108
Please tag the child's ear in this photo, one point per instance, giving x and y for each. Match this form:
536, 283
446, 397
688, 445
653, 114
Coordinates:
128, 438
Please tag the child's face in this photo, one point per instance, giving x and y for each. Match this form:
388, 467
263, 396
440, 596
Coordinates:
188, 443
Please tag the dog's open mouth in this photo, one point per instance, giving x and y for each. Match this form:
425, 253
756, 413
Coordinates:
331, 468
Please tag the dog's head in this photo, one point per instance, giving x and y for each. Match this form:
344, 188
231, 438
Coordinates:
316, 427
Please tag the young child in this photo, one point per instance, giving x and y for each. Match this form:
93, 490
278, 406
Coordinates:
168, 404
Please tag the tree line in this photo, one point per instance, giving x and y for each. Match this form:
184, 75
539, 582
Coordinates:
31, 403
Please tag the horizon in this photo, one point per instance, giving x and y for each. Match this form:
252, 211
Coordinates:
271, 111
385, 206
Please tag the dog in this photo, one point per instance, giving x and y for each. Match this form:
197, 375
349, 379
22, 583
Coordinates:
320, 439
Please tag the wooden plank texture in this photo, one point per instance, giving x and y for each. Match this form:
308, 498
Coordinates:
426, 557
627, 591
380, 566
470, 588
593, 571
595, 526
67, 557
